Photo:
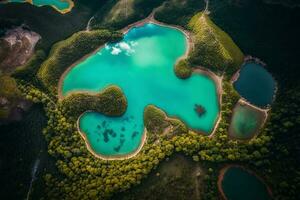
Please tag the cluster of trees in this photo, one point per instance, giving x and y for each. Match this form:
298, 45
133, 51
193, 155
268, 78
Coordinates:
9, 95
118, 14
111, 101
29, 70
66, 52
157, 123
281, 170
178, 12
182, 69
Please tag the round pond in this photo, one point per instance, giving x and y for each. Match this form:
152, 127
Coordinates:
255, 84
238, 183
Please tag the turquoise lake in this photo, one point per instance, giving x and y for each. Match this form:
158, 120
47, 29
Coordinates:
58, 4
255, 84
239, 184
142, 66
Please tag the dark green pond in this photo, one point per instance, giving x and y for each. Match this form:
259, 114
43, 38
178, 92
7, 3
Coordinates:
239, 184
255, 84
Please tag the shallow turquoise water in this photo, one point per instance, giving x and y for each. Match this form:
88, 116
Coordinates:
239, 184
256, 84
142, 66
59, 4
245, 122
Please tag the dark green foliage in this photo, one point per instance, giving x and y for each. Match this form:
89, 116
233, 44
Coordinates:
155, 120
117, 14
214, 49
9, 95
178, 127
68, 51
178, 12
157, 123
177, 178
29, 70
182, 69
111, 101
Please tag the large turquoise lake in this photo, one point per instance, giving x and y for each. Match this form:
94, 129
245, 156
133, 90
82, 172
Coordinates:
142, 66
60, 5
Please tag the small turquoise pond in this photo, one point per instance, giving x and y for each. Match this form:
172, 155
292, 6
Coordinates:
142, 66
60, 5
239, 184
255, 84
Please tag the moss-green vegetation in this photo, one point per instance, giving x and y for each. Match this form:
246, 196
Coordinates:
177, 178
182, 69
29, 70
155, 120
118, 14
214, 49
9, 95
111, 101
66, 52
157, 123
177, 127
178, 12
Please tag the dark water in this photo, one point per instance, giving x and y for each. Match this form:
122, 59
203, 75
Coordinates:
256, 85
238, 184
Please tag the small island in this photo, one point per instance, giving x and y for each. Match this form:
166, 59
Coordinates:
200, 110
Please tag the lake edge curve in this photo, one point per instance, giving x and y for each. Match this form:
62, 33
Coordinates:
223, 171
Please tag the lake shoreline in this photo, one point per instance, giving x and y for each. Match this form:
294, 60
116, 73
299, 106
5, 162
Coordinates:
64, 11
115, 157
198, 70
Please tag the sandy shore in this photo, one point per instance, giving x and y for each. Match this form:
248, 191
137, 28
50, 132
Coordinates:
223, 171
